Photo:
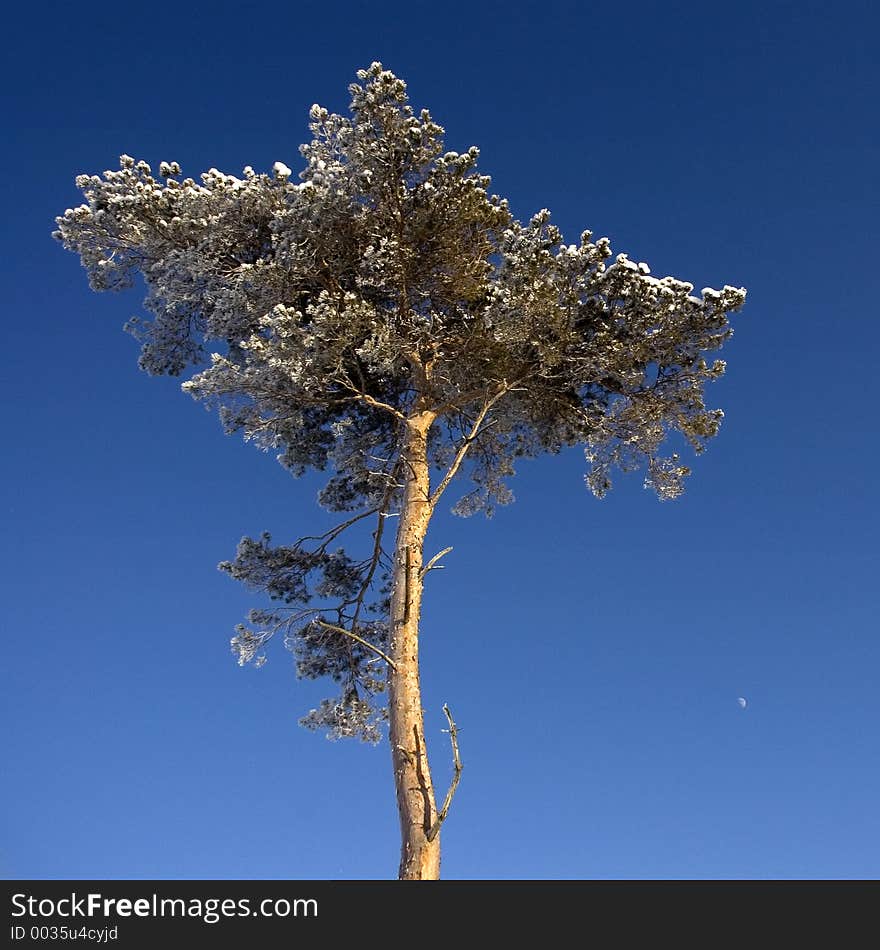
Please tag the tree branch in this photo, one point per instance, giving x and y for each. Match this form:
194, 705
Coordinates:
432, 564
460, 401
377, 547
361, 640
376, 404
475, 431
334, 532
456, 775
369, 400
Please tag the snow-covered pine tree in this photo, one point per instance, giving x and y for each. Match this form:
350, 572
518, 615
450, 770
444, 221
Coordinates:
386, 319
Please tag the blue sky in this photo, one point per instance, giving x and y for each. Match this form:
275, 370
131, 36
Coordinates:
592, 652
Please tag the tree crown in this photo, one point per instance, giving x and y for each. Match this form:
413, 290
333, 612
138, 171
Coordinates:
389, 285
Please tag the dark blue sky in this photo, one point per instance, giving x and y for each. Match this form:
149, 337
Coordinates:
592, 652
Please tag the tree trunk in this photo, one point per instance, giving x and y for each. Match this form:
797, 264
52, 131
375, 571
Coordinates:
419, 857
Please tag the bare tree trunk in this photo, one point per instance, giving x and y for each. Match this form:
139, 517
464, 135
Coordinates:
419, 857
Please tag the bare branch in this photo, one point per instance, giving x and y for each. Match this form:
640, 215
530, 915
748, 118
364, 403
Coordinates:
328, 536
361, 640
432, 564
457, 768
368, 399
377, 548
474, 433
386, 407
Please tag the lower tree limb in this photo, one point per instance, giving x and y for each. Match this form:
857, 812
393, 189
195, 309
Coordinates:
457, 768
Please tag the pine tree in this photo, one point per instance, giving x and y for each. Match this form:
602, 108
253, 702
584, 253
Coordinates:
387, 320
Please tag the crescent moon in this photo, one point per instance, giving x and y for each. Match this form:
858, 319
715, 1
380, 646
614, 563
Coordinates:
742, 702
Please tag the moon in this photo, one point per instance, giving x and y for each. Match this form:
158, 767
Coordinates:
742, 702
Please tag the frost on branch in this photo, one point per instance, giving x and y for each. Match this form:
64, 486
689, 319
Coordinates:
354, 713
320, 311
344, 641
347, 717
